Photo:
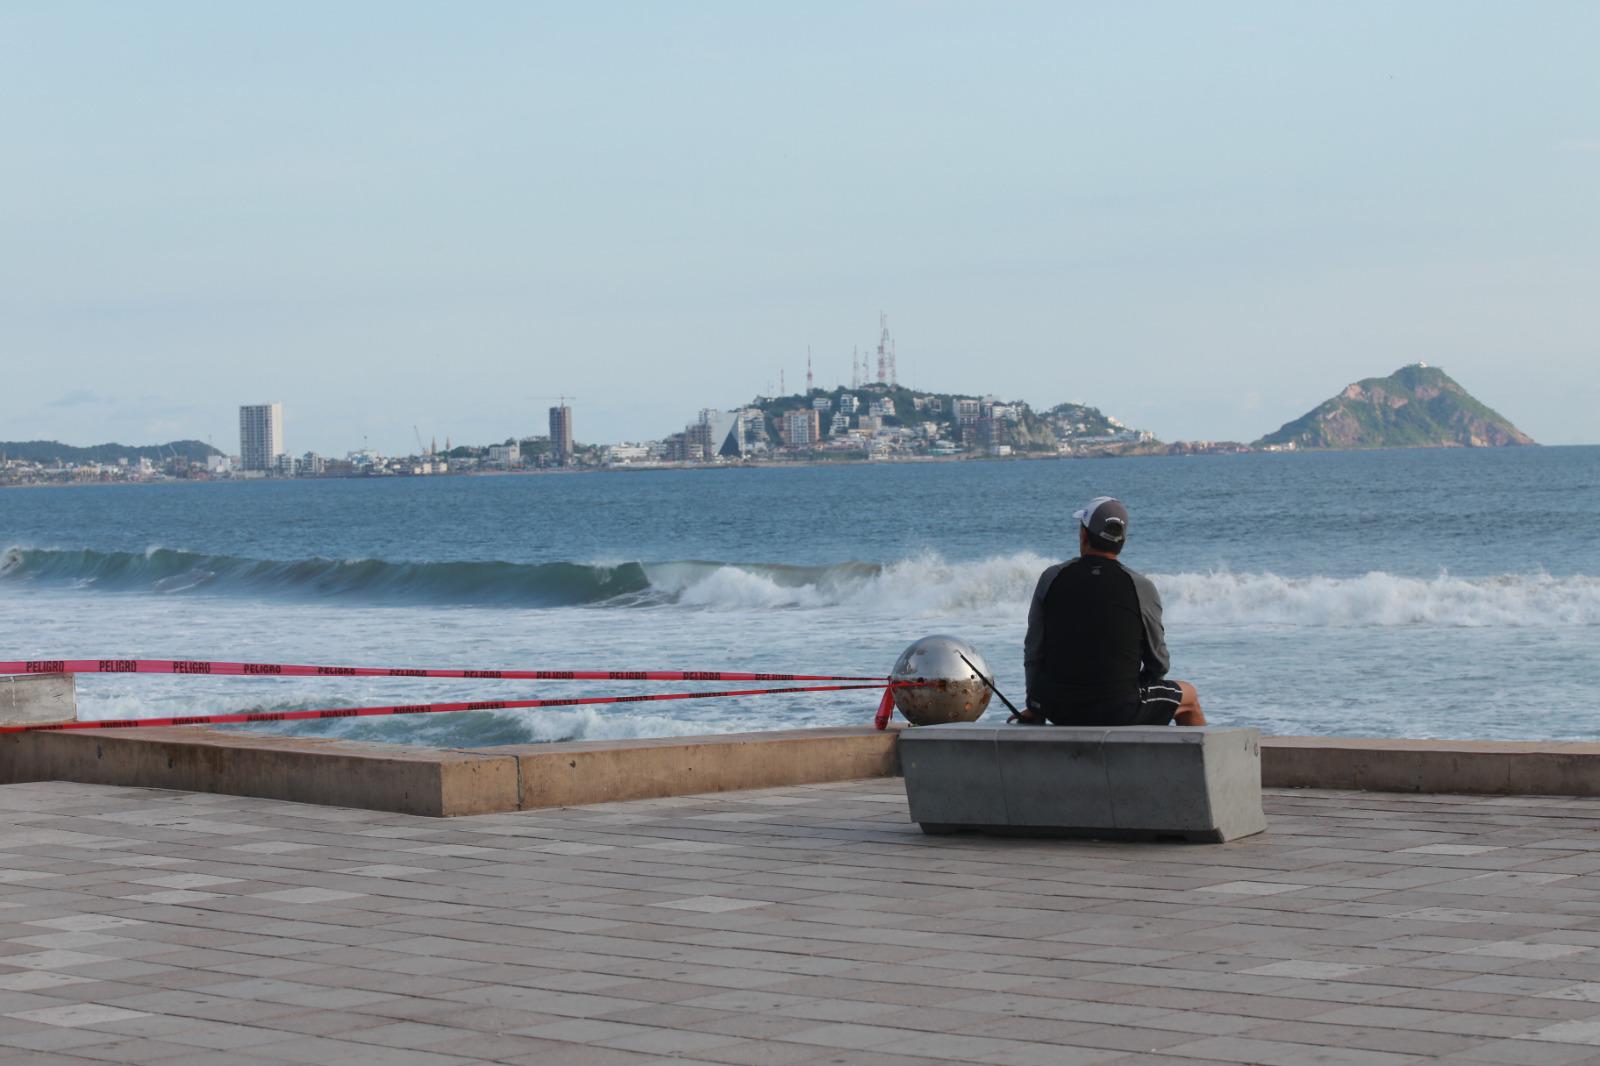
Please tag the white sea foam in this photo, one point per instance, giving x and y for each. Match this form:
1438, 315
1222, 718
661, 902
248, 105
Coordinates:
929, 586
487, 728
1380, 599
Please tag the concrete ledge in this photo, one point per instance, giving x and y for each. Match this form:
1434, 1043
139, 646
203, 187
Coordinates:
438, 783
601, 771
384, 777
441, 783
30, 699
1495, 767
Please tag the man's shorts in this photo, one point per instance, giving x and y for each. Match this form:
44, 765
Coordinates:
1157, 703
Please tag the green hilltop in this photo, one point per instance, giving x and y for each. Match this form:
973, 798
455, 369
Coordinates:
1418, 406
50, 451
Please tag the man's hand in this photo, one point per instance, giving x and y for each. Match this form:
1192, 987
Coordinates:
1030, 715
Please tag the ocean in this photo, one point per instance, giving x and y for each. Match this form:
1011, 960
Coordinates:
1429, 593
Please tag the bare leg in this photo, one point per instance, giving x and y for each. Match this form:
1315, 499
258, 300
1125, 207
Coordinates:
1189, 712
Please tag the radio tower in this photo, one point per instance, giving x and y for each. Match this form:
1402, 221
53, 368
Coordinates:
855, 368
809, 383
885, 351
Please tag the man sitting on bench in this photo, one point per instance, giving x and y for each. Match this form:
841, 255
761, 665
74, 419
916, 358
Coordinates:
1096, 654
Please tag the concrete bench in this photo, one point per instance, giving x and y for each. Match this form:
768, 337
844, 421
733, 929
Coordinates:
1135, 781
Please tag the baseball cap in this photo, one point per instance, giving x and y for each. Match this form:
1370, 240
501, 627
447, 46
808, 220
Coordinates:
1104, 517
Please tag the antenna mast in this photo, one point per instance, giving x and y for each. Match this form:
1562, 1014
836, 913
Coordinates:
855, 367
809, 383
885, 351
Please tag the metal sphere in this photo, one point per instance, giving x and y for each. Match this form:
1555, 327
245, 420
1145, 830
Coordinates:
959, 694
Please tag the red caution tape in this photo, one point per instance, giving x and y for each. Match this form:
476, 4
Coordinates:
885, 708
416, 708
228, 669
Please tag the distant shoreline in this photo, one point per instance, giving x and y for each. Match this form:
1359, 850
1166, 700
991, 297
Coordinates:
808, 464
637, 468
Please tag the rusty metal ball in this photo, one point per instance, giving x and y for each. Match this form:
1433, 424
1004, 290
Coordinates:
958, 693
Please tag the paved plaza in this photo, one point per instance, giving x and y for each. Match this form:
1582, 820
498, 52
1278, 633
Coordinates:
801, 925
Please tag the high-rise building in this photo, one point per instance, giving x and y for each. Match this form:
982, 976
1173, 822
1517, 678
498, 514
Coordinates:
260, 436
561, 434
802, 428
967, 414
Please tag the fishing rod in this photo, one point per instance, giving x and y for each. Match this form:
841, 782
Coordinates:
1015, 714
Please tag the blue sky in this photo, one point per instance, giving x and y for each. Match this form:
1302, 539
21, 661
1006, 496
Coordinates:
1204, 218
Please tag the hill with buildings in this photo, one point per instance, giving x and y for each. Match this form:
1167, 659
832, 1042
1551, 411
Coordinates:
1418, 406
880, 419
50, 451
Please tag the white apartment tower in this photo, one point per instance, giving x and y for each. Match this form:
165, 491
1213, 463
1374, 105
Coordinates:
260, 435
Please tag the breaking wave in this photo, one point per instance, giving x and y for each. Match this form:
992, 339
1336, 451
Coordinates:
922, 586
364, 581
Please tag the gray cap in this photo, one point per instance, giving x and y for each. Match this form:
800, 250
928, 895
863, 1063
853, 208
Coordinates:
1104, 517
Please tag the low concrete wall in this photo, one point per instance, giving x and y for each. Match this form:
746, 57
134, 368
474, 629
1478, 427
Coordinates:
435, 782
384, 777
598, 771
1496, 767
427, 781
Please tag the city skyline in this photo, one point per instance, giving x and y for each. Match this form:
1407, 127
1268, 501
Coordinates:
1200, 218
658, 429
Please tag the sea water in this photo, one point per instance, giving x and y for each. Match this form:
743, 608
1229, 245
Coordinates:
1400, 593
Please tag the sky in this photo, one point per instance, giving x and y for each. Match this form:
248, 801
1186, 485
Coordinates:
431, 219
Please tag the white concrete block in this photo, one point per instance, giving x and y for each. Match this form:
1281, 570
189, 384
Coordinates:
1135, 781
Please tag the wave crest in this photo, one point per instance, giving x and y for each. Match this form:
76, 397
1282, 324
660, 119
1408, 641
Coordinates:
166, 570
921, 586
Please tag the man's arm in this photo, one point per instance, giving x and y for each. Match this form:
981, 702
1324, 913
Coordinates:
1157, 661
1033, 643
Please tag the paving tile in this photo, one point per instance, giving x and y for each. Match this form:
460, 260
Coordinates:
1249, 888
307, 895
1517, 949
847, 1036
1526, 1053
1279, 1053
76, 1014
671, 1042
1586, 992
711, 904
1308, 968
1571, 1032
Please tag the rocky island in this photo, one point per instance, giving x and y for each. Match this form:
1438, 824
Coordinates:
1418, 406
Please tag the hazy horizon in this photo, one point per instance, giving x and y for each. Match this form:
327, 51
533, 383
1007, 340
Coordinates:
1203, 220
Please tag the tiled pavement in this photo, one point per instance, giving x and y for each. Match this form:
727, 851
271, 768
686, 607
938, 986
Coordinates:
801, 925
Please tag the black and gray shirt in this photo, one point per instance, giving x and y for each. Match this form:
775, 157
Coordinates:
1094, 636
